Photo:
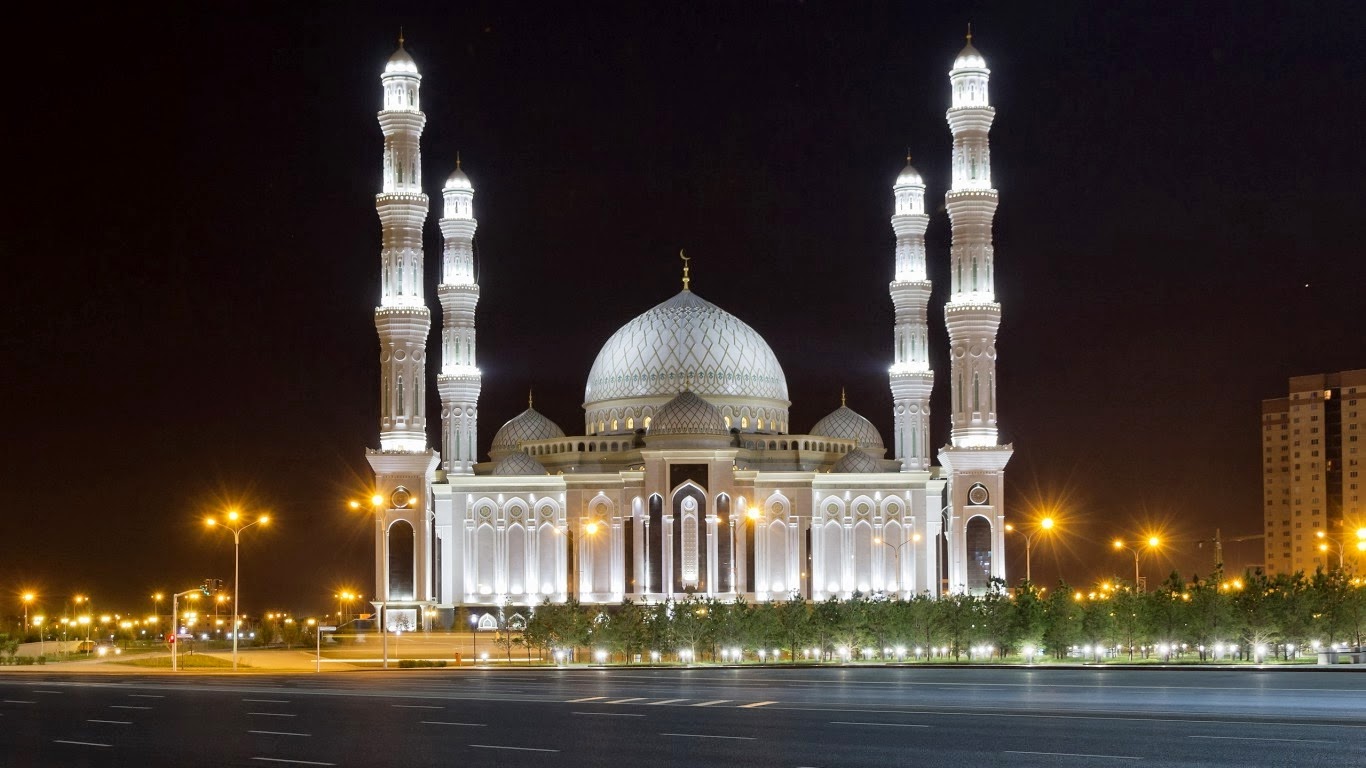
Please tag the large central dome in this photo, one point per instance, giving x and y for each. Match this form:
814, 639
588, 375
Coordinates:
685, 343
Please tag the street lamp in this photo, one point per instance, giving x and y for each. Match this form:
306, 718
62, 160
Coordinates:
156, 602
1325, 540
752, 515
27, 598
1152, 542
235, 524
474, 633
1046, 524
896, 551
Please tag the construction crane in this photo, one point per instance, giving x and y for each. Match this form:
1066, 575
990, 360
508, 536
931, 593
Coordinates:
1218, 543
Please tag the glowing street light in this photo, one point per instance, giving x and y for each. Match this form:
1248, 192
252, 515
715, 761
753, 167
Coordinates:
1152, 542
236, 524
1046, 524
27, 598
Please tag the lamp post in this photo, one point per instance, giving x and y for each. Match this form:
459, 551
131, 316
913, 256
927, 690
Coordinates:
1341, 542
751, 516
27, 598
474, 634
896, 552
1137, 548
156, 603
235, 524
1046, 524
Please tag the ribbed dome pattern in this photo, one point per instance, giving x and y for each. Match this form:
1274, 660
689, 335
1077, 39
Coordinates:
527, 425
688, 414
685, 341
515, 464
856, 461
845, 424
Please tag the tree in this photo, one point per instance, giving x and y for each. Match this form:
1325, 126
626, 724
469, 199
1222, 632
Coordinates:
793, 623
1061, 622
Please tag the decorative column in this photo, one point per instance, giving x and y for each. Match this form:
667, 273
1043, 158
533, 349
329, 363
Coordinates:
403, 464
911, 377
459, 382
974, 460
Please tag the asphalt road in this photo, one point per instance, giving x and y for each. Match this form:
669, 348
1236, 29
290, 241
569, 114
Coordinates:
817, 718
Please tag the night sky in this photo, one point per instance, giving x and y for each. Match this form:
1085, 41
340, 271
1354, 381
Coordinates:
192, 251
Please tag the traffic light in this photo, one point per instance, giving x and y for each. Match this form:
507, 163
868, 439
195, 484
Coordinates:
206, 587
217, 586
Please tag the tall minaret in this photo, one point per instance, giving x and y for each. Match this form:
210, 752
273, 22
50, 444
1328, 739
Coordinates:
911, 376
974, 460
459, 382
404, 464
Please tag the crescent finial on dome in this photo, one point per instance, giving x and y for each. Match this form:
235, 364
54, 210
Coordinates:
842, 401
528, 398
400, 37
686, 279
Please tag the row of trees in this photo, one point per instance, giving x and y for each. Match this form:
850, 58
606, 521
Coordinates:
1251, 617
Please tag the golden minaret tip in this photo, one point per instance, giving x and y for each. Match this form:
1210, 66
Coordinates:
686, 280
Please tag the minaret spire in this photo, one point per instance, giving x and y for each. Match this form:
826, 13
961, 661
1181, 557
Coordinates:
911, 377
402, 318
460, 381
975, 460
686, 259
404, 463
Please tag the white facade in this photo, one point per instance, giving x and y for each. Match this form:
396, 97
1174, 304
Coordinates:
687, 479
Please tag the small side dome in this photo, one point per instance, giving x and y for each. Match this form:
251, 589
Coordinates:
845, 424
527, 425
856, 461
969, 58
909, 176
518, 464
400, 63
458, 179
688, 414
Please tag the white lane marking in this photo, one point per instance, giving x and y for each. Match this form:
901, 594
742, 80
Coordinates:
444, 722
1263, 738
625, 701
293, 762
609, 714
709, 736
1072, 754
666, 701
15, 701
709, 703
757, 704
145, 696
79, 743
415, 706
268, 701
888, 724
280, 733
519, 749
54, 693
271, 714
1030, 715
112, 722
589, 698
125, 706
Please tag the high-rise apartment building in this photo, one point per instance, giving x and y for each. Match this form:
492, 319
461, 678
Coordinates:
1312, 461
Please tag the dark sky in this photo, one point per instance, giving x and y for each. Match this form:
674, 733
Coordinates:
193, 252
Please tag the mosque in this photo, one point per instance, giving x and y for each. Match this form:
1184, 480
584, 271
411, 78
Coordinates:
687, 477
